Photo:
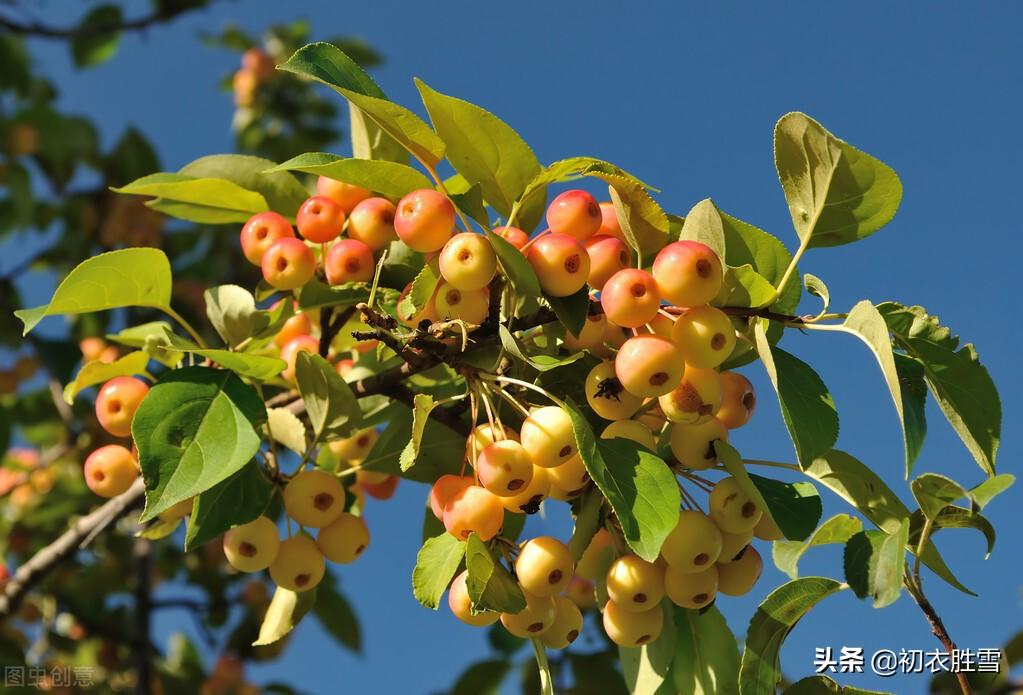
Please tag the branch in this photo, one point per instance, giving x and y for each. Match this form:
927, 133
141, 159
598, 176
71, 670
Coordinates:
46, 31
81, 533
143, 610
938, 629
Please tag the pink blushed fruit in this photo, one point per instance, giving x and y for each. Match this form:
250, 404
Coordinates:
561, 264
575, 213
630, 298
688, 273
320, 219
288, 264
349, 260
424, 220
608, 255
372, 223
260, 232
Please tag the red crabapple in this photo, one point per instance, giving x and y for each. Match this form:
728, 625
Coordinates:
606, 395
288, 264
474, 509
705, 335
504, 468
425, 220
471, 306
289, 353
252, 547
513, 235
608, 255
372, 223
575, 213
298, 325
117, 402
320, 219
299, 565
609, 225
349, 260
468, 262
648, 365
561, 264
444, 490
110, 470
630, 298
696, 398
260, 231
379, 489
344, 194
344, 539
738, 401
688, 273
693, 445
314, 498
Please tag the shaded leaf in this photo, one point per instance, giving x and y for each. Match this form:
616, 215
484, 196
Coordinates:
436, 565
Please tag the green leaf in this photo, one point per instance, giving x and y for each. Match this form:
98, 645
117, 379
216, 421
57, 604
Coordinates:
838, 529
233, 313
991, 488
706, 656
874, 564
836, 193
539, 362
806, 406
97, 36
934, 492
490, 585
470, 201
642, 220
285, 611
569, 170
286, 429
703, 223
436, 564
282, 191
204, 200
795, 507
422, 291
822, 685
129, 277
746, 244
914, 401
587, 522
159, 529
195, 429
259, 367
520, 274
369, 141
960, 384
573, 309
336, 616
441, 450
97, 372
389, 179
328, 64
816, 287
238, 500
329, 401
647, 668
316, 295
150, 337
759, 672
953, 517
743, 286
639, 486
485, 150
423, 404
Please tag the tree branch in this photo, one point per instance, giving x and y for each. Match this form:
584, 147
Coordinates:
143, 611
938, 629
46, 31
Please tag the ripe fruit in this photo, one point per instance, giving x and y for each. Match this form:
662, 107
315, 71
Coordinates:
591, 337
732, 544
343, 539
468, 262
484, 435
513, 235
688, 273
379, 489
694, 544
289, 353
504, 468
244, 84
533, 620
574, 213
314, 498
732, 509
354, 449
568, 621
178, 511
91, 348
474, 510
581, 593
561, 264
738, 400
649, 365
253, 546
349, 260
258, 62
548, 436
767, 530
630, 298
320, 219
298, 325
571, 477
632, 629
691, 589
372, 223
609, 225
693, 445
260, 231
424, 220
299, 566
635, 584
696, 398
344, 194
544, 566
444, 490
527, 500
705, 336
633, 430
608, 255
471, 306
461, 605
606, 395
110, 470
117, 402
288, 264
738, 577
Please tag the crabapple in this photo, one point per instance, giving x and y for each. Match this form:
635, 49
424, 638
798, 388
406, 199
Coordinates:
381, 489
609, 224
688, 273
344, 368
110, 470
631, 628
424, 220
767, 530
253, 546
738, 577
548, 436
504, 468
693, 445
528, 499
91, 348
691, 589
471, 306
544, 566
590, 562
289, 353
314, 498
468, 261
244, 84
732, 509
484, 435
427, 313
633, 430
117, 402
732, 544
606, 395
591, 337
630, 298
575, 213
571, 477
349, 260
696, 399
533, 620
260, 231
320, 219
344, 194
259, 62
561, 264
299, 565
461, 605
615, 336
355, 448
343, 539
288, 264
738, 402
582, 593
648, 365
694, 544
568, 621
705, 336
608, 255
178, 511
474, 510
444, 490
513, 235
635, 584
662, 325
298, 325
372, 223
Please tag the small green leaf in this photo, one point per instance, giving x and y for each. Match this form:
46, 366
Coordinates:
822, 685
539, 362
329, 401
150, 337
336, 615
390, 179
746, 244
259, 367
744, 286
991, 488
436, 564
953, 517
97, 36
203, 200
934, 492
316, 295
816, 287
520, 274
706, 656
570, 169
286, 429
282, 192
703, 223
643, 222
838, 529
238, 500
422, 291
490, 585
423, 404
874, 564
233, 313
441, 450
573, 309
159, 529
587, 522
914, 401
470, 201
97, 372
648, 668
285, 611
795, 507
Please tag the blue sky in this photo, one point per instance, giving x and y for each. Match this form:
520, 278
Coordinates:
686, 98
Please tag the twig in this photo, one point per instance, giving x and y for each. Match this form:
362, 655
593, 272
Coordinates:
78, 32
915, 589
143, 610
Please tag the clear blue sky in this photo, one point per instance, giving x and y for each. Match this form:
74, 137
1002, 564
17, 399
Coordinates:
686, 98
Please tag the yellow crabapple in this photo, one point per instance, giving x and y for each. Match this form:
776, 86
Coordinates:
591, 337
533, 620
344, 194
635, 584
253, 546
320, 219
471, 306
607, 396
91, 348
560, 262
693, 445
244, 84
568, 621
648, 365
260, 232
633, 430
299, 565
444, 490
110, 470
691, 589
615, 336
117, 402
631, 628
289, 353
608, 255
548, 436
738, 402
314, 498
575, 213
349, 260
694, 544
474, 510
571, 477
662, 325
630, 298
352, 450
178, 511
513, 235
582, 593
609, 224
461, 604
344, 539
259, 62
424, 220
589, 563
504, 468
767, 530
468, 261
544, 566
372, 223
732, 509
697, 397
484, 435
688, 273
737, 577
705, 336
732, 544
528, 499
288, 264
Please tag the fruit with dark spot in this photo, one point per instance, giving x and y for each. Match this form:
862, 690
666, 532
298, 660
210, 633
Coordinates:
632, 629
344, 539
314, 498
694, 544
253, 546
299, 565
544, 566
635, 584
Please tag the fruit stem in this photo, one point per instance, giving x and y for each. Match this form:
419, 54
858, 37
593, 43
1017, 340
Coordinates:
186, 325
772, 464
509, 399
525, 384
